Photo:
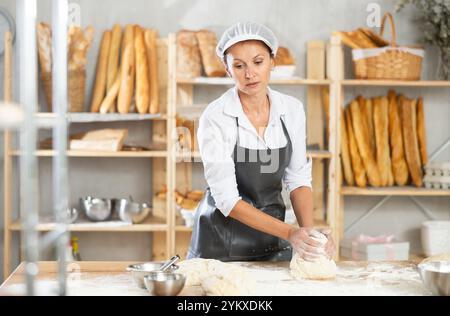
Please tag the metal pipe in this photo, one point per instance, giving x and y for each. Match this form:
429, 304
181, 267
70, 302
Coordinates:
26, 11
60, 101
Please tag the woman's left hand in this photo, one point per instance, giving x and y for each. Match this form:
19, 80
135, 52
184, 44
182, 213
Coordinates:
330, 248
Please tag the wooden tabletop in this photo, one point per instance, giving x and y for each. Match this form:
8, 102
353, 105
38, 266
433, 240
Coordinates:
273, 278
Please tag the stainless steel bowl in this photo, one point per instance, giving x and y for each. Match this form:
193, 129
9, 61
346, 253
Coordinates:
164, 283
96, 209
129, 211
72, 215
140, 270
436, 277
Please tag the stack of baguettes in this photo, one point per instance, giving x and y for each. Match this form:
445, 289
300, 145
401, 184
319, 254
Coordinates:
126, 71
383, 141
196, 54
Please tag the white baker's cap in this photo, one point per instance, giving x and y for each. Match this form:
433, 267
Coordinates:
244, 32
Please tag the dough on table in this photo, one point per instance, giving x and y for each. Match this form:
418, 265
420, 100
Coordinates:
217, 278
320, 269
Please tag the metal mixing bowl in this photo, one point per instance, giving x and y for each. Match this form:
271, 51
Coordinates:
96, 209
140, 270
436, 277
131, 212
164, 283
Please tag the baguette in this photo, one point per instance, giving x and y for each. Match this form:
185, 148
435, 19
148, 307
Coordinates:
366, 108
375, 38
410, 140
113, 60
345, 153
111, 96
152, 57
357, 164
100, 77
44, 43
399, 166
142, 83
189, 63
421, 132
364, 145
212, 64
380, 116
284, 57
127, 71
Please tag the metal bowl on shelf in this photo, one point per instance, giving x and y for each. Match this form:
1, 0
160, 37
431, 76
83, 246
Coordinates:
436, 277
132, 212
140, 270
164, 283
96, 209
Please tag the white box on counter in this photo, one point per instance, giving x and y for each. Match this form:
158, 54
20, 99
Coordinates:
374, 251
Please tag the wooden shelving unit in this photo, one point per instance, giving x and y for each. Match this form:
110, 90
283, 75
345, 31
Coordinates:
159, 224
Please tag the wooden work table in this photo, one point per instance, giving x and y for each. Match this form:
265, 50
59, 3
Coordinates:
111, 278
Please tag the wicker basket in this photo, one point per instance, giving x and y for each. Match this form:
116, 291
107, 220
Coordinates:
391, 62
76, 90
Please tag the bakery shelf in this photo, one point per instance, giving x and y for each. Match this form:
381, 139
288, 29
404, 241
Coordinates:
399, 83
152, 224
396, 191
100, 154
229, 81
98, 117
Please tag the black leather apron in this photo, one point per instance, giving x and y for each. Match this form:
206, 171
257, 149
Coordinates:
259, 182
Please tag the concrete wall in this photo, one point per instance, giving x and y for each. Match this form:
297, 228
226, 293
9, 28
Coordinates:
294, 22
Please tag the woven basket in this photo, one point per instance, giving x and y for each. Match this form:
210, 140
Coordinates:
76, 90
391, 62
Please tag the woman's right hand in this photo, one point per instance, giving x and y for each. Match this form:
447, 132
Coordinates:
302, 242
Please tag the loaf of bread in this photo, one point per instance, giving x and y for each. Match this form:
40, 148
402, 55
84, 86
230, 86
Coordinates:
44, 43
409, 124
380, 117
142, 95
127, 71
114, 52
284, 57
345, 153
150, 37
109, 101
357, 164
212, 65
189, 63
355, 39
399, 166
421, 132
79, 42
100, 76
365, 106
359, 129
375, 38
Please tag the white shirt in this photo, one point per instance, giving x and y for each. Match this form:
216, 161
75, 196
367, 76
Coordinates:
217, 135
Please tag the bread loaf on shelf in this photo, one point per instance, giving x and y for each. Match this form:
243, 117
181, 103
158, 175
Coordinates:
127, 71
150, 37
212, 65
284, 57
380, 116
357, 164
399, 166
421, 132
345, 153
114, 52
142, 95
409, 124
100, 76
360, 132
189, 63
366, 108
375, 38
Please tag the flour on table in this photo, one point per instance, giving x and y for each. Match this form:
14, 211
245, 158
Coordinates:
217, 278
320, 269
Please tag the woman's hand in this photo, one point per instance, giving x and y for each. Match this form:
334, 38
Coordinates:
302, 242
330, 247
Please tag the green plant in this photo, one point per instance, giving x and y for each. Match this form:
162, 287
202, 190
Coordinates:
435, 16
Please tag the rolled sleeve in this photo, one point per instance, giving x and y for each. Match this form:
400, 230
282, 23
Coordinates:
216, 149
298, 172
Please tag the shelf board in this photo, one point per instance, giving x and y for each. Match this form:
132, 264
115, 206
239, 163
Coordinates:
150, 225
94, 154
421, 83
397, 191
229, 81
314, 154
88, 117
